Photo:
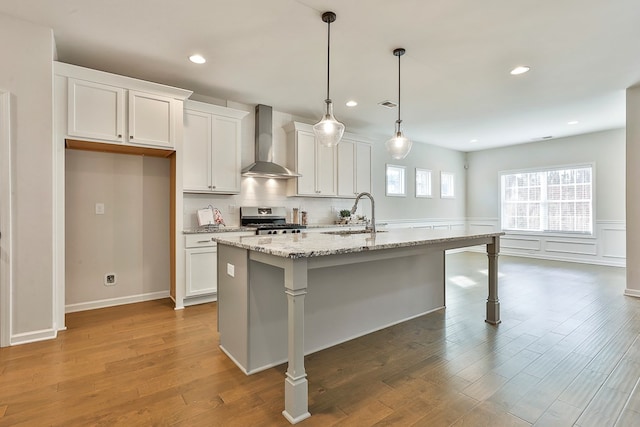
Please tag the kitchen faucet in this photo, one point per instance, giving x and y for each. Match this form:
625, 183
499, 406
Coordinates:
371, 227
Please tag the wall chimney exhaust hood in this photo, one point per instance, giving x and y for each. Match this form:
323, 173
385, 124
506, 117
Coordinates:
264, 166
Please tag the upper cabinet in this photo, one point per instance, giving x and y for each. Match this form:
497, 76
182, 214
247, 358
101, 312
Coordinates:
315, 162
104, 107
342, 171
354, 167
212, 140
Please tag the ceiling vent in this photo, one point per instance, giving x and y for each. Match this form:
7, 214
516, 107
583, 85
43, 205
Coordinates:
388, 104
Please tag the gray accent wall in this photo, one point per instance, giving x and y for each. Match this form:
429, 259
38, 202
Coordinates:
604, 149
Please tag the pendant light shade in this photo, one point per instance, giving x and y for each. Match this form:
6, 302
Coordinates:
399, 145
328, 131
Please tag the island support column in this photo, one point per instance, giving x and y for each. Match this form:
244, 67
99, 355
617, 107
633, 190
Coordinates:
493, 303
296, 406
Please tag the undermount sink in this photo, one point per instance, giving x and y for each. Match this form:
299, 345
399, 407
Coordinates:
349, 232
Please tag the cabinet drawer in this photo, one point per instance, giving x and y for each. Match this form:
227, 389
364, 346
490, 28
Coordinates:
199, 240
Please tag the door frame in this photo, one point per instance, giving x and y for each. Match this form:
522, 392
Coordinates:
6, 269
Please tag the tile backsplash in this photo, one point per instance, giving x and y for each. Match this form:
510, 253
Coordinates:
267, 192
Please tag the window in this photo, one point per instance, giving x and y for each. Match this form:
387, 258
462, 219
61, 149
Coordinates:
396, 180
552, 200
447, 185
423, 183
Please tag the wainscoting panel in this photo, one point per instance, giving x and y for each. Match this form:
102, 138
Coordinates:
607, 246
571, 247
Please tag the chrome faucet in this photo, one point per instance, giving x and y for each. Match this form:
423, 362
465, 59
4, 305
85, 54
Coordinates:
371, 227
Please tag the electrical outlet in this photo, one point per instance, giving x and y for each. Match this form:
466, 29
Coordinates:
232, 209
231, 270
99, 208
110, 279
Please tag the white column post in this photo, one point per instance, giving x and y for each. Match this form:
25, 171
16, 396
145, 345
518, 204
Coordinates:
296, 406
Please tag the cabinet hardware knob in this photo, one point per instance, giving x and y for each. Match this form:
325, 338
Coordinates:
119, 135
130, 136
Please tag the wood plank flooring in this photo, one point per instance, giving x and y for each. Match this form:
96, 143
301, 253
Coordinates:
567, 353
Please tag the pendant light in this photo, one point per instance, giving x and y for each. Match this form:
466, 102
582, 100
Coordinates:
399, 145
328, 130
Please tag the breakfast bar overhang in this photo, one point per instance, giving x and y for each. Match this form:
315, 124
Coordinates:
336, 287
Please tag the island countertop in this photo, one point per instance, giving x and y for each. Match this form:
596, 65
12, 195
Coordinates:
306, 245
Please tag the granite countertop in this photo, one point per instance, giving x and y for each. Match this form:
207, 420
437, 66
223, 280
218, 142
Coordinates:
198, 230
305, 245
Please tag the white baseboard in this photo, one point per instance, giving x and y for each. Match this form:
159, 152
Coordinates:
34, 336
111, 302
632, 292
201, 299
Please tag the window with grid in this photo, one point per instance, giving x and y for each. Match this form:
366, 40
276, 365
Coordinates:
552, 200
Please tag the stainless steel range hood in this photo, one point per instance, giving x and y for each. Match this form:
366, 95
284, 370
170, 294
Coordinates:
264, 166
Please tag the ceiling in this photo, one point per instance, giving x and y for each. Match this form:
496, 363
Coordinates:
456, 85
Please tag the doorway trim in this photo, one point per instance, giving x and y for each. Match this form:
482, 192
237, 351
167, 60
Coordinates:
6, 270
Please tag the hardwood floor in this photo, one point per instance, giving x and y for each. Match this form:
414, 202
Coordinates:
567, 353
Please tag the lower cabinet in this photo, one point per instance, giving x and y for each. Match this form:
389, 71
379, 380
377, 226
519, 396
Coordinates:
201, 266
201, 270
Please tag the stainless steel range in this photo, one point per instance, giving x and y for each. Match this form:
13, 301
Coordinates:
268, 220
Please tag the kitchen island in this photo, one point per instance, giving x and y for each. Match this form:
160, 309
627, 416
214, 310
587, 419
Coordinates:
281, 297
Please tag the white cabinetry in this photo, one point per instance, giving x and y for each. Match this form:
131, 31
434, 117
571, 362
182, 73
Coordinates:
201, 265
105, 107
354, 167
315, 162
212, 138
95, 110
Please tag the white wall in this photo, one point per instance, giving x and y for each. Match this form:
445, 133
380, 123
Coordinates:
131, 238
259, 191
606, 150
26, 72
633, 191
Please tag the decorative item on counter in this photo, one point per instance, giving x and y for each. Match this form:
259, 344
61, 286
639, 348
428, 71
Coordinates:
304, 217
210, 217
217, 217
295, 218
345, 216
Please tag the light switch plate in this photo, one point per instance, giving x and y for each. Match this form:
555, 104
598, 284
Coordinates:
99, 208
231, 270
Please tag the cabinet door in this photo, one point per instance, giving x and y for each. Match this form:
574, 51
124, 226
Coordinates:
150, 120
95, 110
201, 271
225, 160
363, 168
346, 170
306, 163
326, 170
196, 151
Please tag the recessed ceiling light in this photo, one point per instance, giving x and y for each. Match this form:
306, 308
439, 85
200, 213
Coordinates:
474, 140
351, 103
520, 69
573, 122
197, 59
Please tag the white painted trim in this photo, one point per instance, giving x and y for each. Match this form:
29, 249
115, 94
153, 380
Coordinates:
6, 241
632, 293
199, 299
34, 336
111, 302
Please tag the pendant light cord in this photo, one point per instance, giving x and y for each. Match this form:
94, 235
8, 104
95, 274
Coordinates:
399, 103
328, 55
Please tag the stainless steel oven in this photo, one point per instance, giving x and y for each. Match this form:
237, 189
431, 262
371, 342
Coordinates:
268, 220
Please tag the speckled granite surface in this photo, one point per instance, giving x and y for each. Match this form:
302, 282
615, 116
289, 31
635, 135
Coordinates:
305, 245
236, 229
217, 230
